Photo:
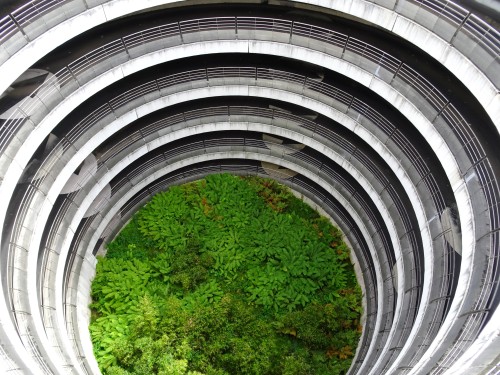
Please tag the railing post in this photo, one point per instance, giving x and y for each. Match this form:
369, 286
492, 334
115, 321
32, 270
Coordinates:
345, 47
350, 104
440, 111
466, 18
24, 114
111, 109
73, 75
180, 32
396, 72
19, 28
125, 47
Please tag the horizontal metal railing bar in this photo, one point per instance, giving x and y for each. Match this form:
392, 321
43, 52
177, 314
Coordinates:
400, 208
222, 142
149, 164
485, 34
335, 176
88, 122
120, 146
446, 9
373, 116
206, 24
423, 86
7, 28
257, 23
404, 144
333, 38
368, 164
28, 12
154, 33
373, 54
132, 94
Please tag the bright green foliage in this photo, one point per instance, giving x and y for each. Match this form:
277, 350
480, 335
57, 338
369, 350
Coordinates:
130, 244
224, 276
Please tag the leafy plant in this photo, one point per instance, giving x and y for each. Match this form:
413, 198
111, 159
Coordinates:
227, 275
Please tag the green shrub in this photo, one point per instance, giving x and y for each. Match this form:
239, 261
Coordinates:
226, 275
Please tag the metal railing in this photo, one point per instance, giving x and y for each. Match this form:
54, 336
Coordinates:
436, 99
87, 67
57, 86
215, 143
203, 74
255, 74
180, 150
452, 258
367, 270
207, 74
32, 19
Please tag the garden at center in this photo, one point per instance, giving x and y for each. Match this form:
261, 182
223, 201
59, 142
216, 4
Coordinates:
223, 276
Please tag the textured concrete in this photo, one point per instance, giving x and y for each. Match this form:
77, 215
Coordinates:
59, 342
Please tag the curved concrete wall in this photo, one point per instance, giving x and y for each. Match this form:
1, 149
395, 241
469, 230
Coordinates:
426, 238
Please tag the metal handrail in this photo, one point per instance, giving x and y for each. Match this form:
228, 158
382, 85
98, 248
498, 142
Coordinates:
462, 130
224, 111
219, 111
451, 11
253, 74
30, 12
483, 33
71, 72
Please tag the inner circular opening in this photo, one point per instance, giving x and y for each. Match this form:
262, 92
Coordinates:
226, 275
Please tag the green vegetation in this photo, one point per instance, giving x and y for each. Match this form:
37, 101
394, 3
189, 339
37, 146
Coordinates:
225, 276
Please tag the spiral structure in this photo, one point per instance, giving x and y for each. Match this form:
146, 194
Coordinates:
384, 114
